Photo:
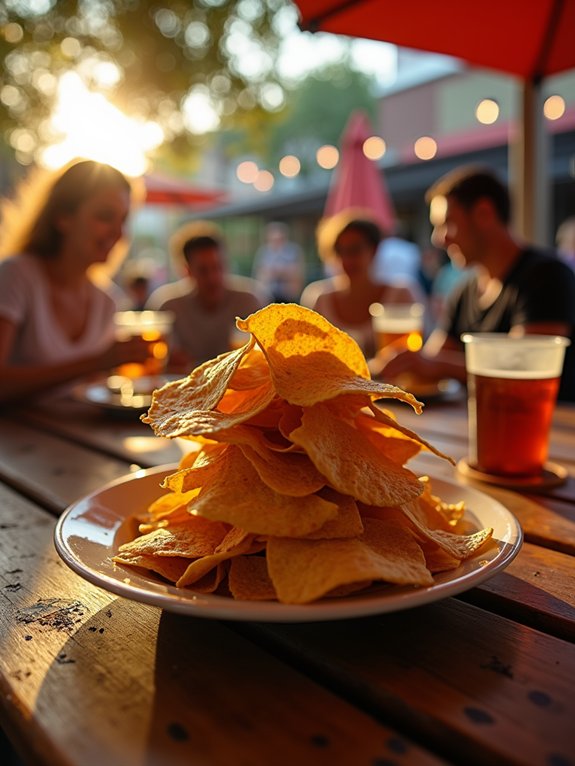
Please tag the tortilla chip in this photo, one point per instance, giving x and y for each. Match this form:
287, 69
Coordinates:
351, 463
285, 472
458, 546
197, 569
304, 570
311, 360
239, 497
384, 417
348, 521
193, 538
171, 568
248, 579
173, 404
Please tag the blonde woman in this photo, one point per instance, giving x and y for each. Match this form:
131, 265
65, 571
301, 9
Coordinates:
56, 324
347, 244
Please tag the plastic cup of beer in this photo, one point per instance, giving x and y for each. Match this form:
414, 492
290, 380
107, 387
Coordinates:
397, 327
512, 386
152, 326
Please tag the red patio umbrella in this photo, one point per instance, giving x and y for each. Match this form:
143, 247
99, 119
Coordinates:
530, 40
162, 190
357, 181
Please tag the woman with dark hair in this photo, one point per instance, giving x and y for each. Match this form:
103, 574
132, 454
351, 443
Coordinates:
56, 324
347, 244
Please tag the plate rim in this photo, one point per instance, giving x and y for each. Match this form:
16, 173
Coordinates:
80, 393
170, 598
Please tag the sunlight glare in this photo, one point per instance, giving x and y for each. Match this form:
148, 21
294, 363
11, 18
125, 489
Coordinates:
199, 114
92, 127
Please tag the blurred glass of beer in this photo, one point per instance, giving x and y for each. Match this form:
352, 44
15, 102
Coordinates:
397, 327
238, 338
153, 327
512, 386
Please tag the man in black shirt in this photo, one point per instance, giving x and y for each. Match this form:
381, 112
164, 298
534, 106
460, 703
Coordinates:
512, 288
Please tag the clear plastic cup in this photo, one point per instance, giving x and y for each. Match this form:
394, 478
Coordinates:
397, 327
155, 328
512, 386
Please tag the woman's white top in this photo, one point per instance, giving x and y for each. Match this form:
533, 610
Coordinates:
40, 339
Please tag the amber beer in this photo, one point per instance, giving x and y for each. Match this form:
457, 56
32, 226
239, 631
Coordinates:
397, 328
510, 425
398, 341
512, 385
154, 328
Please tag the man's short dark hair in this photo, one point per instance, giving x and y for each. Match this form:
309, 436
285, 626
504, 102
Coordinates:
468, 185
195, 244
369, 230
194, 236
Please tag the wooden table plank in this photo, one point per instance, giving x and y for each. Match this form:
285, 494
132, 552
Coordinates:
88, 678
537, 589
476, 687
124, 437
50, 469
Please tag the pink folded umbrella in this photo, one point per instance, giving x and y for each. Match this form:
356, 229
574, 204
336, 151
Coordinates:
357, 181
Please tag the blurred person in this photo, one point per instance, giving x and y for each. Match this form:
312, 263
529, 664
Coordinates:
396, 260
445, 281
432, 259
207, 300
279, 265
56, 324
347, 243
565, 241
511, 288
136, 283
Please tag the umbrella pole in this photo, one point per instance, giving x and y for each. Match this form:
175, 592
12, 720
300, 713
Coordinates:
529, 168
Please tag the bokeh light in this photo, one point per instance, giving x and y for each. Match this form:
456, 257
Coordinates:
554, 107
425, 148
264, 181
289, 166
247, 171
374, 147
487, 111
327, 156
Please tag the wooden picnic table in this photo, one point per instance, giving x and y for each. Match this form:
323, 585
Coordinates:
90, 678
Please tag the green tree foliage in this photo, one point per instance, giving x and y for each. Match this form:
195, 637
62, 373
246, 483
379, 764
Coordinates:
146, 56
318, 110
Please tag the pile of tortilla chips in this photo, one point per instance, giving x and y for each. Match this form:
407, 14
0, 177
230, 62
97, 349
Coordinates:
298, 489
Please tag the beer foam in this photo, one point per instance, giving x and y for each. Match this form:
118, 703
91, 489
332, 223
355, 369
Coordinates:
516, 374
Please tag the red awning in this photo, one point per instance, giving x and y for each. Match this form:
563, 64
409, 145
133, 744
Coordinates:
162, 190
527, 39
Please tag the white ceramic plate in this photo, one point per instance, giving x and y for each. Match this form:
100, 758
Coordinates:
137, 399
89, 532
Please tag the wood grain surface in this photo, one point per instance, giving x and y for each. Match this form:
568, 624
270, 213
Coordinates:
90, 679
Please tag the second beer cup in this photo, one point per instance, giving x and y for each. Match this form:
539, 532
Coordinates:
152, 326
512, 389
397, 327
